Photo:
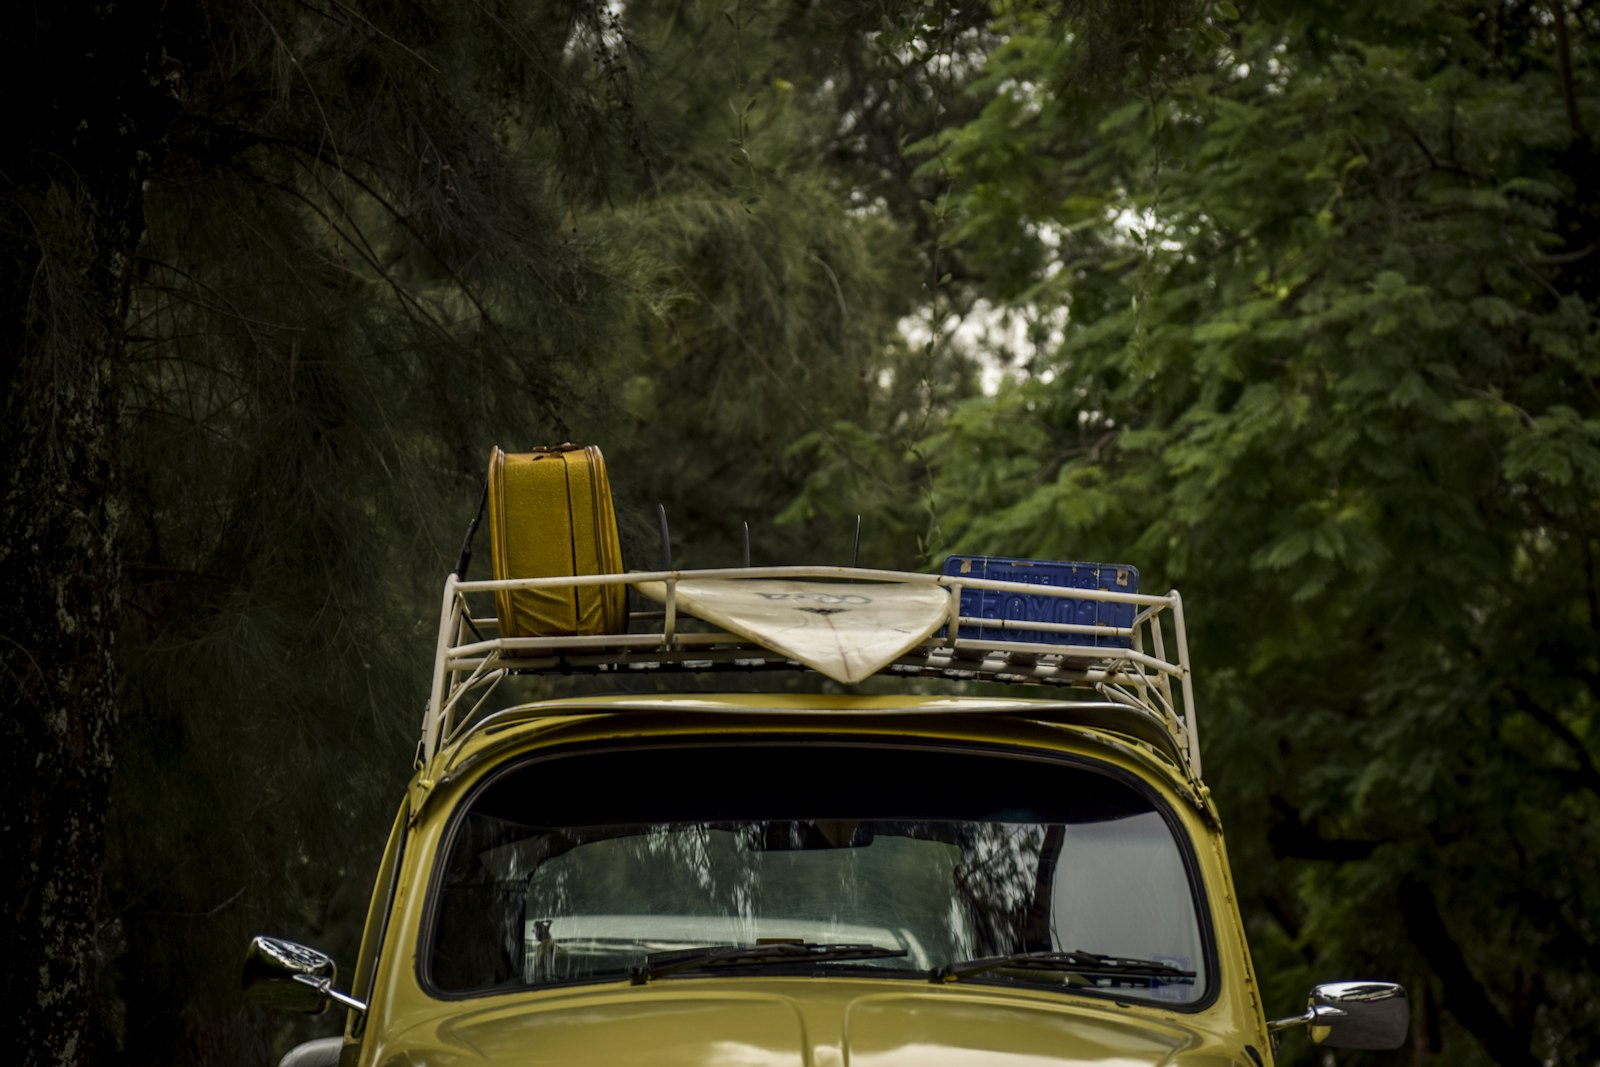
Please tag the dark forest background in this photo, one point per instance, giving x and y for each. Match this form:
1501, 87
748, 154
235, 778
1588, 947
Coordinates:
1293, 305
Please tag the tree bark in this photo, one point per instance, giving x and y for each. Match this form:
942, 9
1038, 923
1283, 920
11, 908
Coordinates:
1464, 995
70, 174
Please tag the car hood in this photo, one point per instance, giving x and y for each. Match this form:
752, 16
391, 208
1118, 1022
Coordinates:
799, 1024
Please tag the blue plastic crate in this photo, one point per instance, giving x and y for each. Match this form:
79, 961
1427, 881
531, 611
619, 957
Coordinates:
993, 604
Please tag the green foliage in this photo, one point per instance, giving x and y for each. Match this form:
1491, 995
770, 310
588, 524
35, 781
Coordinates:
1329, 368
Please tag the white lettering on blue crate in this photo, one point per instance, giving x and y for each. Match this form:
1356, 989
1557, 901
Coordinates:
1008, 609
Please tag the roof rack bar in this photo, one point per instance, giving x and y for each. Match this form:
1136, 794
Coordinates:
670, 620
851, 573
952, 625
1186, 680
979, 622
448, 612
930, 663
487, 671
519, 649
1094, 652
655, 640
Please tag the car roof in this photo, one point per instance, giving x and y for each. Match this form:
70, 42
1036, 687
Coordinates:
1100, 722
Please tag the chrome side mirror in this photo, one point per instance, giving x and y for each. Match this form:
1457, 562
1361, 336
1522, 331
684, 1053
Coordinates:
282, 974
1371, 1015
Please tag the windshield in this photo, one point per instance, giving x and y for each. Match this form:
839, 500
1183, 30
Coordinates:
598, 865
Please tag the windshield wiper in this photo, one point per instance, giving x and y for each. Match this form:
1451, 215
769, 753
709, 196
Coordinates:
659, 963
1070, 962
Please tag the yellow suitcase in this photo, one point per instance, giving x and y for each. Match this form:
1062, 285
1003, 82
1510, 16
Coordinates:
550, 515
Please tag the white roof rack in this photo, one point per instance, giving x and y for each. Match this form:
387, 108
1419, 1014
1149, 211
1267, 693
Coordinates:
1144, 666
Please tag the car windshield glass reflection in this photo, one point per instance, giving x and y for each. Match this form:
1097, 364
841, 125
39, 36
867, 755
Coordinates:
936, 857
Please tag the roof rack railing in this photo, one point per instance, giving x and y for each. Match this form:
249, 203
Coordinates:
1136, 667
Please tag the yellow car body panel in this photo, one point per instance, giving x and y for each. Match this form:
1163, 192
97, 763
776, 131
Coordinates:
754, 1019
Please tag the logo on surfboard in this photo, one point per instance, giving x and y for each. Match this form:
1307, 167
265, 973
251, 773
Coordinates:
820, 598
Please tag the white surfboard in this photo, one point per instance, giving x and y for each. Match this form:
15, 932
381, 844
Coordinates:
847, 632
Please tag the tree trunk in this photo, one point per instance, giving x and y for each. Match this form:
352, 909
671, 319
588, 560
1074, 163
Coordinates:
69, 221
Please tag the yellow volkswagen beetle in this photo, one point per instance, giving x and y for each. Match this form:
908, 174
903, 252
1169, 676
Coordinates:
987, 842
